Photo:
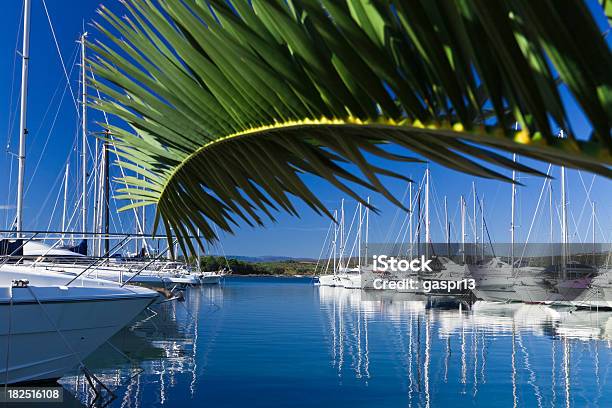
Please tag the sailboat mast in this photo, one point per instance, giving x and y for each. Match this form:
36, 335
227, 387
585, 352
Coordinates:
144, 228
563, 221
463, 228
482, 225
367, 227
550, 209
83, 135
427, 232
23, 131
512, 226
447, 227
341, 234
410, 219
335, 241
359, 236
475, 226
106, 202
66, 176
593, 228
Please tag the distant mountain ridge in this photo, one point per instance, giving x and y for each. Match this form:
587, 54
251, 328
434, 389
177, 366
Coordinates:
268, 258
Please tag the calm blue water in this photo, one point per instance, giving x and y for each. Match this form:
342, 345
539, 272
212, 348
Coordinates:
266, 342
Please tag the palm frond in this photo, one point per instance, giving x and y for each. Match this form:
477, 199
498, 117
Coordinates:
231, 103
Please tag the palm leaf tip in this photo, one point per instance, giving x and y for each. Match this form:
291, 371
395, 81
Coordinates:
231, 103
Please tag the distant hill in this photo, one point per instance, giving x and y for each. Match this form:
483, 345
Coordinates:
268, 258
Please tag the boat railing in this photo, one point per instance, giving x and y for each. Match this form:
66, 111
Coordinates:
50, 254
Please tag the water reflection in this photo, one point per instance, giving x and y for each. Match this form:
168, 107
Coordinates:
284, 342
161, 346
536, 354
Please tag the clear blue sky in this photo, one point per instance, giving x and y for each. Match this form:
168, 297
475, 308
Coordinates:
53, 126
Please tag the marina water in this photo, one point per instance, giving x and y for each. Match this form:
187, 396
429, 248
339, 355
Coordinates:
263, 342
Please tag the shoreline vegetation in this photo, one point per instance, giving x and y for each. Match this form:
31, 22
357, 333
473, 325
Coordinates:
285, 267
306, 267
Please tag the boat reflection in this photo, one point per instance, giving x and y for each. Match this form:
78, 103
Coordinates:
163, 343
534, 354
415, 350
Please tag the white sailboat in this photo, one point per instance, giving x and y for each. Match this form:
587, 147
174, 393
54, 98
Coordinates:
351, 278
49, 324
332, 279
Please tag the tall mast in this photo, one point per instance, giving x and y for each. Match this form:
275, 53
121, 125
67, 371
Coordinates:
23, 131
463, 228
98, 201
427, 232
341, 233
512, 226
563, 220
359, 236
335, 240
447, 228
367, 227
106, 196
65, 199
593, 227
482, 224
550, 209
83, 135
144, 228
474, 224
418, 226
410, 220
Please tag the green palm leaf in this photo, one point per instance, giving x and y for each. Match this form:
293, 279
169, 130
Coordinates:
231, 103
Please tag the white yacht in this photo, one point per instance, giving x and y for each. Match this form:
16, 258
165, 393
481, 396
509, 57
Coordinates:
494, 281
350, 278
49, 325
329, 280
210, 277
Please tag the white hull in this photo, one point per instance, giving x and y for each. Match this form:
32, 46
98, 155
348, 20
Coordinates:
329, 280
46, 329
352, 281
210, 279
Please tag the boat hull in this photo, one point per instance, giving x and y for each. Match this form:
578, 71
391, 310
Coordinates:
329, 280
210, 280
44, 341
49, 324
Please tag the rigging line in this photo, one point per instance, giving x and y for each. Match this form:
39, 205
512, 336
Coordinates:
437, 205
486, 228
348, 235
404, 222
323, 247
80, 200
111, 193
60, 57
112, 138
222, 249
59, 194
42, 153
535, 213
395, 216
59, 176
49, 105
11, 118
8, 198
588, 198
60, 190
